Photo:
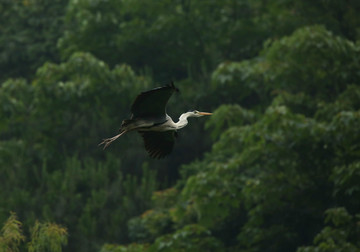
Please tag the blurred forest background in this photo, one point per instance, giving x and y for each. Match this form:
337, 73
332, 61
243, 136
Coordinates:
276, 168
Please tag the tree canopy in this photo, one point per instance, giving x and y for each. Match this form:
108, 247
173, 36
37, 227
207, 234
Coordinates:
275, 168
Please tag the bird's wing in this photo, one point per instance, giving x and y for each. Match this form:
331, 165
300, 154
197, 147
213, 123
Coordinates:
159, 144
152, 103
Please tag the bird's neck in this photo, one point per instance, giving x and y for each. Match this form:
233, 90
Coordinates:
182, 120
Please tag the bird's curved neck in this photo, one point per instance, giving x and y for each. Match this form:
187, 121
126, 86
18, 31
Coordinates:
182, 120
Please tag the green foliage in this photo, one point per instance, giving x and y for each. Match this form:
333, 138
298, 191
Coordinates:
345, 178
346, 101
155, 222
341, 234
189, 238
150, 225
29, 33
15, 97
47, 237
282, 79
227, 116
50, 131
11, 234
314, 60
44, 236
129, 248
276, 174
187, 37
80, 103
211, 197
166, 198
240, 82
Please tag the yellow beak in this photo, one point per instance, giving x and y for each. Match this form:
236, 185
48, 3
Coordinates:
205, 113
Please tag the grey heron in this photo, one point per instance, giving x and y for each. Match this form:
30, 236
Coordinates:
149, 118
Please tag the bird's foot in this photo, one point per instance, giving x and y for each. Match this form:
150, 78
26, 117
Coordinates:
106, 142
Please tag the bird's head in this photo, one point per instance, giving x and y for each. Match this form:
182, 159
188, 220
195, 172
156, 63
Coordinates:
196, 113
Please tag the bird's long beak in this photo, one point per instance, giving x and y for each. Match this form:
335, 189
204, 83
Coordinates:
205, 113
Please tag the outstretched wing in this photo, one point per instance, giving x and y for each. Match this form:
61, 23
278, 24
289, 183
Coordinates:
159, 144
152, 103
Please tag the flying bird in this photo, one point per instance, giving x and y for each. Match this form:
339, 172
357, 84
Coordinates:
149, 118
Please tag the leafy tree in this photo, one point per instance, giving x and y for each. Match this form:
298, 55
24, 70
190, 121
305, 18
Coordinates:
44, 236
11, 234
29, 33
189, 238
52, 166
340, 234
278, 166
312, 61
47, 237
187, 37
156, 222
129, 248
281, 76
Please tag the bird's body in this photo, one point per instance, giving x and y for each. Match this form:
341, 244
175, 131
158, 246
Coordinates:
144, 124
149, 118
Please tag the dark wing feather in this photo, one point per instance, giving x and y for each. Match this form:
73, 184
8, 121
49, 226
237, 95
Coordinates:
152, 103
159, 144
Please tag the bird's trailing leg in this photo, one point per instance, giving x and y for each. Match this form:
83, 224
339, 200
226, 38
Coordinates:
106, 142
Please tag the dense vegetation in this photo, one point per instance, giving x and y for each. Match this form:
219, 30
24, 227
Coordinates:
276, 168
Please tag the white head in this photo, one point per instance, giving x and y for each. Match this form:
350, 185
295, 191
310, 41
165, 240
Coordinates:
183, 118
196, 113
